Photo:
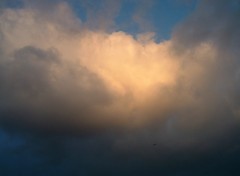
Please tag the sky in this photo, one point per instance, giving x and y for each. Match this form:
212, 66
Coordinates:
119, 87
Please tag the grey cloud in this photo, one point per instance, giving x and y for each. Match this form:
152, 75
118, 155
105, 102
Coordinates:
28, 88
141, 13
213, 22
100, 14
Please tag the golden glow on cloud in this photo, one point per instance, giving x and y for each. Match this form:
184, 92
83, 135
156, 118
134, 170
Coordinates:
139, 76
126, 65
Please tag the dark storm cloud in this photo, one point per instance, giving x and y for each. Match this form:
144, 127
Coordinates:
61, 116
28, 90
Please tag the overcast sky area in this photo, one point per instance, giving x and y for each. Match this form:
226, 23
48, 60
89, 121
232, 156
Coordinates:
119, 87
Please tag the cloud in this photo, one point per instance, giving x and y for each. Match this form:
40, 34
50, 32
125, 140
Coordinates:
121, 94
111, 75
100, 14
57, 71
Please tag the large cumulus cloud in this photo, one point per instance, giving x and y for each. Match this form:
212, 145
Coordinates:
59, 70
60, 76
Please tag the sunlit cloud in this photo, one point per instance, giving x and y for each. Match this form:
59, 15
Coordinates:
99, 77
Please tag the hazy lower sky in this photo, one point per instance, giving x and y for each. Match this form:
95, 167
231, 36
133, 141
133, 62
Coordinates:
119, 87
